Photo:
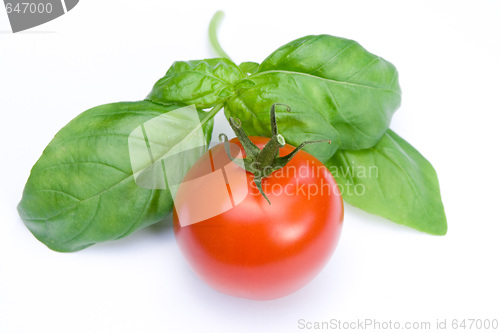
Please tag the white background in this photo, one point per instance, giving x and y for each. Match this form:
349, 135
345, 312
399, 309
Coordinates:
447, 54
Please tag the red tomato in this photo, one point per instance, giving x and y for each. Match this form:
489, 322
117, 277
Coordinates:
255, 249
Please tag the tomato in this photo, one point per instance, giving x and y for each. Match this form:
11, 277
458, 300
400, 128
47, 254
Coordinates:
254, 249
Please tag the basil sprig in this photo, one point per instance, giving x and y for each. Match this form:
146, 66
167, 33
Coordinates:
82, 189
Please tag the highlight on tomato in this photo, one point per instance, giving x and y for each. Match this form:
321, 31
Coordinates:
257, 218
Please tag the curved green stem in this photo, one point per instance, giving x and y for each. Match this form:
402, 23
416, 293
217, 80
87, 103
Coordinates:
248, 145
207, 117
212, 34
212, 113
274, 126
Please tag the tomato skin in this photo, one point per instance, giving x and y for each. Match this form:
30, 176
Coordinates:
260, 251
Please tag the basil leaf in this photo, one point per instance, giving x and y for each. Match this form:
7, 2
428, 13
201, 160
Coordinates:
201, 82
366, 93
82, 189
393, 180
308, 119
353, 90
249, 67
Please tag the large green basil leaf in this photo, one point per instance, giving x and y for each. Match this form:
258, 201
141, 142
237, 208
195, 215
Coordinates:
393, 180
201, 82
353, 90
82, 189
308, 118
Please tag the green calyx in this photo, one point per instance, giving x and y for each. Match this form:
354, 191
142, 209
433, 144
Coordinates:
262, 162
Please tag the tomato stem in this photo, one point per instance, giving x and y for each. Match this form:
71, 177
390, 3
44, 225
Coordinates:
262, 163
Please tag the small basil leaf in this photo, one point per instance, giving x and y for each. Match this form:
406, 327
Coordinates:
198, 82
82, 189
393, 180
244, 84
249, 67
356, 91
226, 92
